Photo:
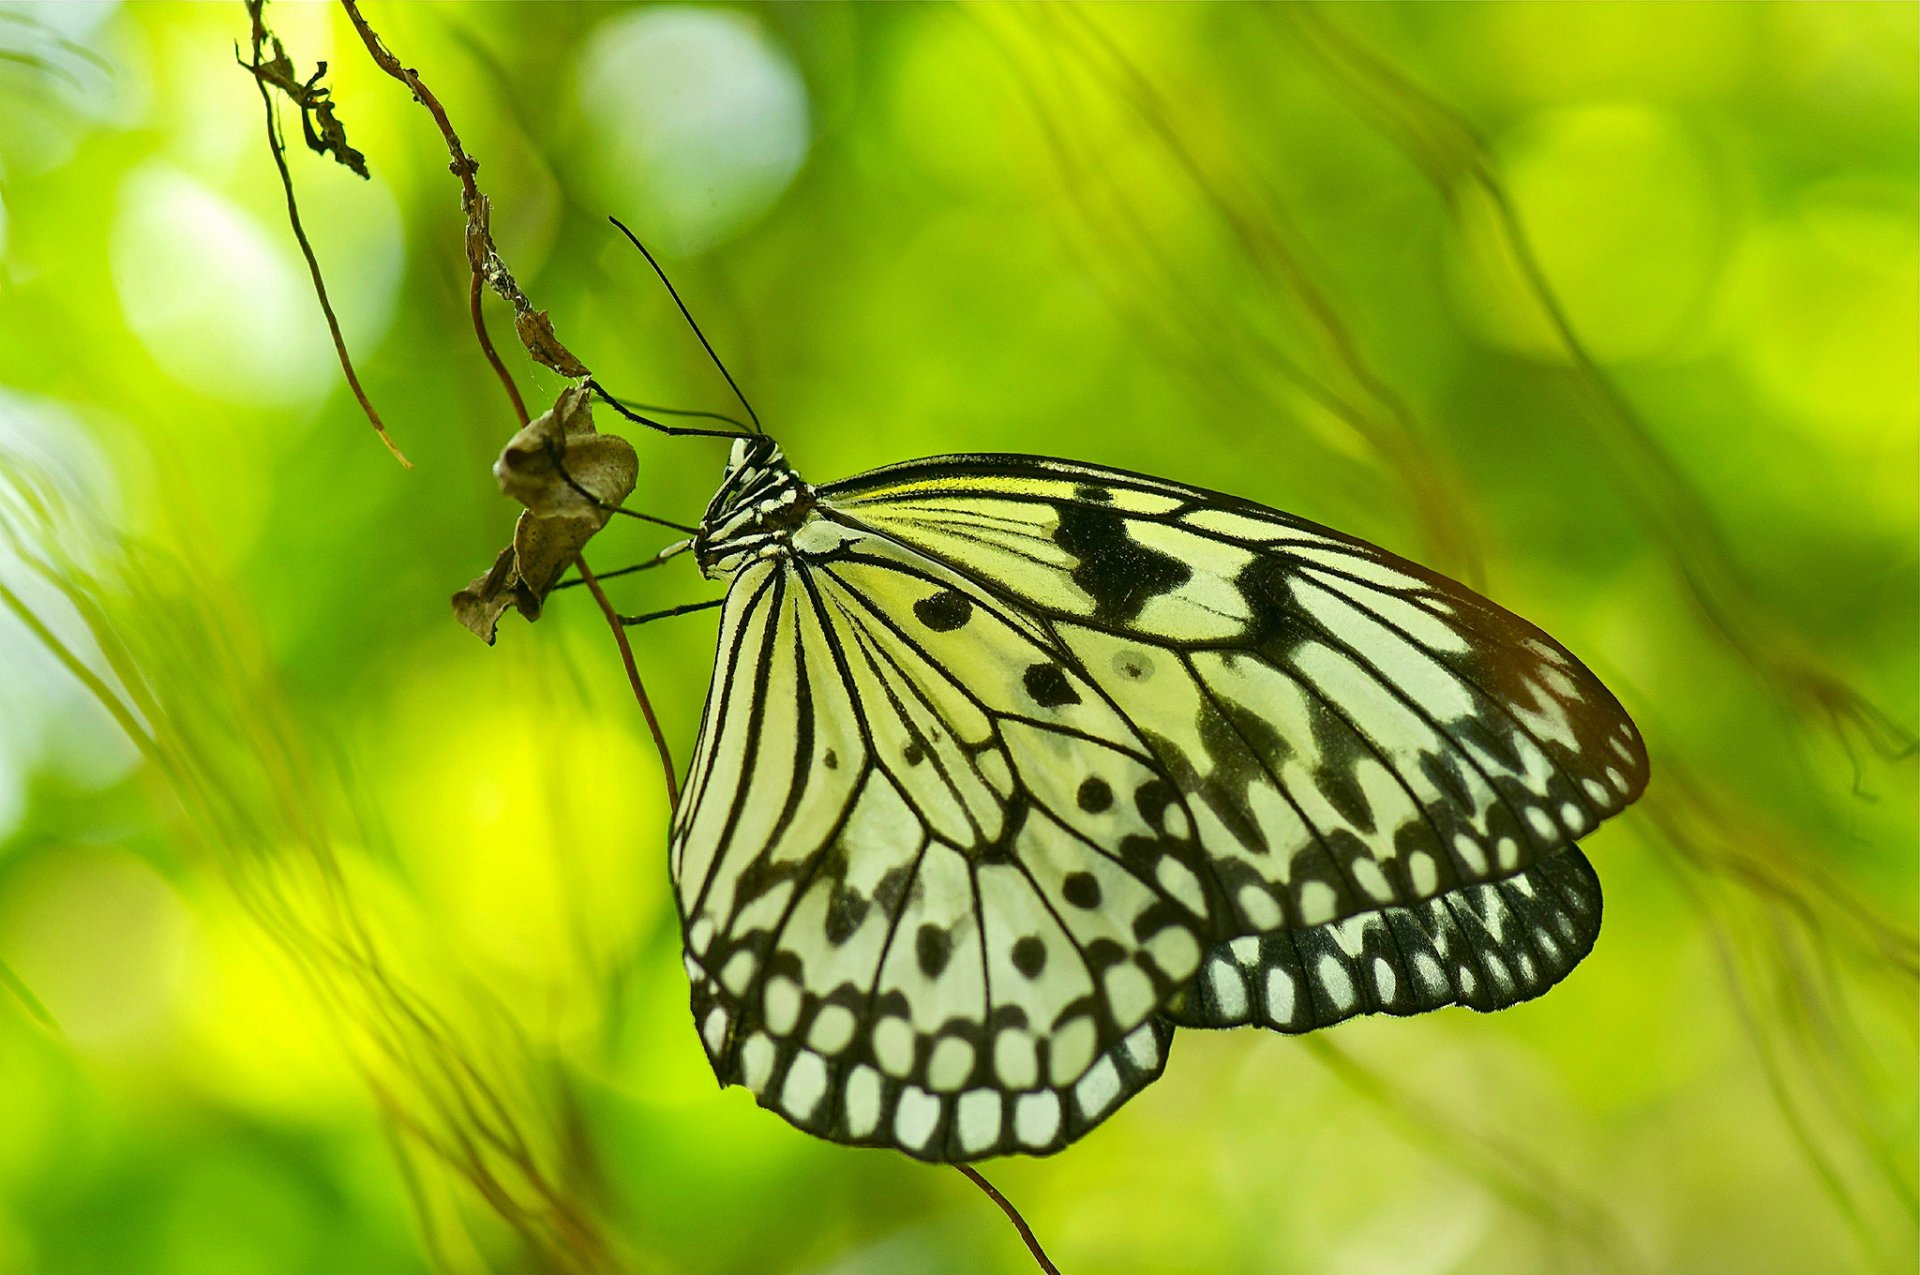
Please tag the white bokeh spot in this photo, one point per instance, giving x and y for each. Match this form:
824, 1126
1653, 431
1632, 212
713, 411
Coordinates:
696, 122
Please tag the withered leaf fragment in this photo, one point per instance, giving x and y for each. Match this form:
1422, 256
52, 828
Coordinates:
561, 515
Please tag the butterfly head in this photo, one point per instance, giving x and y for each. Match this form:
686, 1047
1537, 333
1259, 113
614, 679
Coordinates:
760, 503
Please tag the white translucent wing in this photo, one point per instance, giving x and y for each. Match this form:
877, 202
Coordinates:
1351, 731
1014, 765
934, 888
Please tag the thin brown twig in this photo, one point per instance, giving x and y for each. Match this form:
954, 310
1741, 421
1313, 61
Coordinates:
533, 326
474, 287
639, 691
1013, 1215
277, 145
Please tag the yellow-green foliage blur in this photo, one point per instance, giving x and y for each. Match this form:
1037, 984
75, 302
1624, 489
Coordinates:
335, 940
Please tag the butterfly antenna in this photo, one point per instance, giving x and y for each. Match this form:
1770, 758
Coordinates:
687, 315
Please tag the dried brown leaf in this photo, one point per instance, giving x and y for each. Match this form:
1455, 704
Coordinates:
571, 479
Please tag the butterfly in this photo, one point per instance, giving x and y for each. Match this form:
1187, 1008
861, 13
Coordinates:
1012, 766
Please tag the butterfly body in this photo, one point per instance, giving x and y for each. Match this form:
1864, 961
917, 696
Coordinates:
1011, 765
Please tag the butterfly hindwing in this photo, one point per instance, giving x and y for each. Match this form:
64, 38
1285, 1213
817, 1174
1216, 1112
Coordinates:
1486, 946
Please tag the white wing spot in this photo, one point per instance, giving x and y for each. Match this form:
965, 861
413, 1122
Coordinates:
1423, 872
1036, 1118
1316, 903
806, 1085
1618, 780
832, 1029
893, 1041
977, 1117
1014, 1059
1371, 880
756, 1061
1432, 978
863, 1101
1336, 982
1177, 879
1470, 853
1384, 978
1596, 792
1174, 951
1280, 992
1541, 822
1258, 906
699, 934
1245, 952
739, 972
1097, 1089
1175, 823
1143, 1047
782, 999
1509, 852
916, 1117
1072, 1050
1573, 818
1229, 991
714, 1030
1129, 992
951, 1064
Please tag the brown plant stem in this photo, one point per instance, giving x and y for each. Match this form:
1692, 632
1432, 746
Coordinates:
1040, 1257
633, 679
474, 286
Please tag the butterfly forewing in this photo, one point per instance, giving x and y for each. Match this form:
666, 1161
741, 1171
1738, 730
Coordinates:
935, 890
1352, 730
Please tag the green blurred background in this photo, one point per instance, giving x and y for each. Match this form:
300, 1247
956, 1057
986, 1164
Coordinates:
337, 941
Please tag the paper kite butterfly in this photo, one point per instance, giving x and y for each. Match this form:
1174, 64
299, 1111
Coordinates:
1011, 766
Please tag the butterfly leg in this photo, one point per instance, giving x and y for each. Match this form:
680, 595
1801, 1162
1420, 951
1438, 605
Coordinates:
686, 609
666, 555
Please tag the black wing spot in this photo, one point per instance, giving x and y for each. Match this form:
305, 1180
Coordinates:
845, 912
1095, 795
932, 945
1119, 573
945, 611
1030, 956
1099, 495
913, 753
1049, 686
831, 760
1081, 890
